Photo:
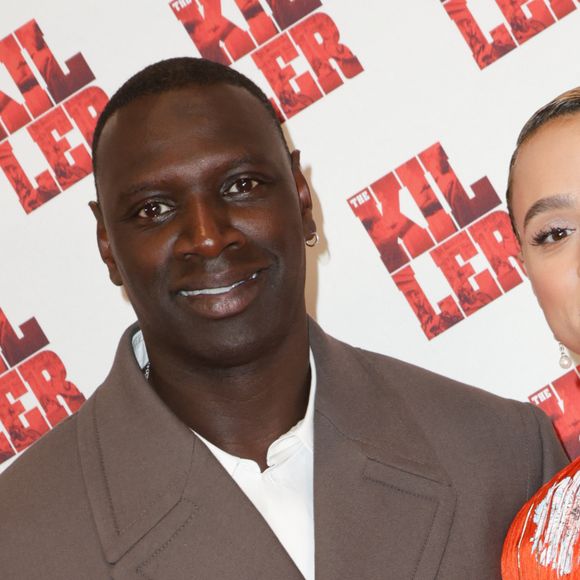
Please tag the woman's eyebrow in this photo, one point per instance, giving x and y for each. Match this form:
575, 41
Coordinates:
560, 201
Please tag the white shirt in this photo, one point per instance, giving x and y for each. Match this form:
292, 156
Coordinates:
283, 493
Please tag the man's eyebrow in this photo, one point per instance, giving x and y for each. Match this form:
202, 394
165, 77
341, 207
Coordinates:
227, 164
560, 201
131, 191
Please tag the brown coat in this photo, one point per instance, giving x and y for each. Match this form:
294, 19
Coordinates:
415, 477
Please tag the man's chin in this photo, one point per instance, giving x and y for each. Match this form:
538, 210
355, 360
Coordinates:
232, 351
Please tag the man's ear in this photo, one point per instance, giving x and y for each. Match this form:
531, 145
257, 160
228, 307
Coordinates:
304, 196
104, 244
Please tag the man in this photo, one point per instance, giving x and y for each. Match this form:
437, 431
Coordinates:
234, 439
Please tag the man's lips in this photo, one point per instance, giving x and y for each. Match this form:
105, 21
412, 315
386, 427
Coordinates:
215, 290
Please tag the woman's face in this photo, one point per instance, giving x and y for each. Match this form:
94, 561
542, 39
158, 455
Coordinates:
546, 208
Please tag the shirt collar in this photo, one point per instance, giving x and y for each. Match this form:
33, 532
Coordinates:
139, 349
301, 435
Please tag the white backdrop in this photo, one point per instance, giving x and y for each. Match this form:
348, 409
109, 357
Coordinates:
417, 84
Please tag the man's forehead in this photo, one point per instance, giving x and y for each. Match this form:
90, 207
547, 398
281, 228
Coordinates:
201, 119
222, 113
219, 102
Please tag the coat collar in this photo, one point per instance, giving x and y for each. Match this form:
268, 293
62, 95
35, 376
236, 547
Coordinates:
164, 507
364, 404
383, 505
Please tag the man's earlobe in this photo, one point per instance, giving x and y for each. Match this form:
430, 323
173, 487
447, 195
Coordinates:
104, 244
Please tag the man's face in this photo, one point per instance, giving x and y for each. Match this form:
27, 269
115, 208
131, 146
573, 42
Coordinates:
202, 218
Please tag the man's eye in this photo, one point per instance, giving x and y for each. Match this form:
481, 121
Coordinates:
153, 209
242, 185
551, 236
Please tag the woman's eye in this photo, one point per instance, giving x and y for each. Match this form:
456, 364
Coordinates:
153, 209
552, 235
242, 185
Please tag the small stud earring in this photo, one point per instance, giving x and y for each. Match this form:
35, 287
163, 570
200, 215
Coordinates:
312, 240
565, 360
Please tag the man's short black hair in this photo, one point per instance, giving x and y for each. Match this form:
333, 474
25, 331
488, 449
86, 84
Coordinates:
177, 73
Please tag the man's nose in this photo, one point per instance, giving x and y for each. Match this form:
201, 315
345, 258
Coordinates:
206, 229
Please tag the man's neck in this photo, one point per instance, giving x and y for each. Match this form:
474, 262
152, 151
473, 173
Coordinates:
244, 408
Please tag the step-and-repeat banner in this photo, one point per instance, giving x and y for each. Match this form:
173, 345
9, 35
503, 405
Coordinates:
406, 114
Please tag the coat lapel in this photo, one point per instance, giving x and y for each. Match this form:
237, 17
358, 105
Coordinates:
165, 509
383, 506
163, 506
214, 532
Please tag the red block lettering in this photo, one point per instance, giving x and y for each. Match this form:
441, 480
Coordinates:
46, 376
85, 108
412, 176
383, 234
399, 238
261, 25
6, 450
291, 101
567, 388
390, 226
318, 38
54, 149
211, 32
470, 299
287, 12
499, 253
523, 25
562, 8
523, 28
465, 209
12, 114
30, 197
34, 95
15, 348
395, 226
560, 401
60, 85
21, 436
432, 323
483, 52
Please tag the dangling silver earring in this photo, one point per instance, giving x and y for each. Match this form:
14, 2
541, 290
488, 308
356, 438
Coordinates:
312, 240
565, 360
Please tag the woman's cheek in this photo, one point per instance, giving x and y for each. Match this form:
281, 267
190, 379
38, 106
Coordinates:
544, 284
554, 292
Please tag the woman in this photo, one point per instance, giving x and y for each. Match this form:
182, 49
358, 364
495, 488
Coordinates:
544, 203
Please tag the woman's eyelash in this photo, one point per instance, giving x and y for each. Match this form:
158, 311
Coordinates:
551, 235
